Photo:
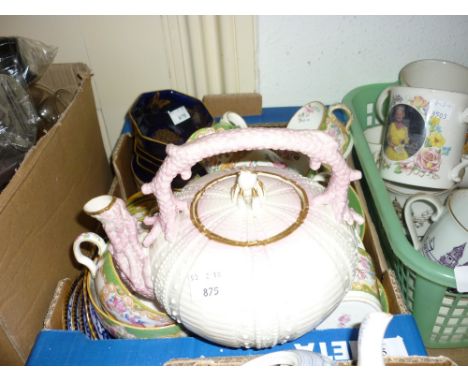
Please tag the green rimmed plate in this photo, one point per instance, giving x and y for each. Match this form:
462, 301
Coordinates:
383, 297
355, 204
141, 205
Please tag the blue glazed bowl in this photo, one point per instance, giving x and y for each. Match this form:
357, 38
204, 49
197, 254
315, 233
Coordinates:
166, 116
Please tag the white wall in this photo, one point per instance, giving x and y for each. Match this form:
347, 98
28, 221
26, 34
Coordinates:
125, 54
305, 58
300, 58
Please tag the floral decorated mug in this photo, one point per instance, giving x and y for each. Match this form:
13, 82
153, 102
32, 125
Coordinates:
424, 136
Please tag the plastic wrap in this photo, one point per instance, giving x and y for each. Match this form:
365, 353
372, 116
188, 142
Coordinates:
22, 62
18, 126
25, 59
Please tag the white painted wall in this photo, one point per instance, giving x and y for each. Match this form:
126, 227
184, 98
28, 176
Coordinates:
125, 54
305, 58
300, 58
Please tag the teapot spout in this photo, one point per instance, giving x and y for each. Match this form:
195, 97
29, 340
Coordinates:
131, 258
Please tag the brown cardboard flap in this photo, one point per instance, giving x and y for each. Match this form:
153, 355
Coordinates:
55, 315
457, 355
64, 76
241, 103
41, 215
239, 361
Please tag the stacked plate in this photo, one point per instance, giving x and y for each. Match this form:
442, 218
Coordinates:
79, 313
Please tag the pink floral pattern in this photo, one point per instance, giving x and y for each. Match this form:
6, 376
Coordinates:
428, 159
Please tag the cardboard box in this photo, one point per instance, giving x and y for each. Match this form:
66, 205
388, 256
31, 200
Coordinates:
40, 212
242, 103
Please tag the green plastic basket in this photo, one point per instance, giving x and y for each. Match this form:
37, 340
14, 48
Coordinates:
428, 288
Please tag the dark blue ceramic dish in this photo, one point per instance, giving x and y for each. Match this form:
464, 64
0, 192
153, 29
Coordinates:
166, 116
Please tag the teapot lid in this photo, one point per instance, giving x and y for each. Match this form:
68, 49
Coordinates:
250, 207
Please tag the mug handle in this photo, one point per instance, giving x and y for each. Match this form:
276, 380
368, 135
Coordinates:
380, 103
456, 172
408, 217
88, 237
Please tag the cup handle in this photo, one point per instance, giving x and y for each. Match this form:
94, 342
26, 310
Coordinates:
346, 110
464, 116
89, 237
380, 103
408, 217
234, 119
370, 339
455, 173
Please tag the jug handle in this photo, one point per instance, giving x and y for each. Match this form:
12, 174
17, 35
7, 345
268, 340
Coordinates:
317, 145
88, 237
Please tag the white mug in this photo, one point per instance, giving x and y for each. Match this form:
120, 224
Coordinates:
435, 74
424, 136
446, 240
420, 211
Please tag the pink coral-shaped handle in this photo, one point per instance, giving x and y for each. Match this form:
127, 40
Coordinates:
317, 145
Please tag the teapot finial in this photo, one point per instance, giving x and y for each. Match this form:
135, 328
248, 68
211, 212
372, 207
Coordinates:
248, 189
125, 246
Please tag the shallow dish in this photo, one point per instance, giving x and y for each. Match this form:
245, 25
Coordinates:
355, 203
352, 311
119, 329
97, 331
76, 307
383, 298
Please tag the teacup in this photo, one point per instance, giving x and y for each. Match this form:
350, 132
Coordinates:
424, 136
420, 211
335, 120
445, 241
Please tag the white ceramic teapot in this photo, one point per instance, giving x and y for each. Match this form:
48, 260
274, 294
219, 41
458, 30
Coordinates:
245, 257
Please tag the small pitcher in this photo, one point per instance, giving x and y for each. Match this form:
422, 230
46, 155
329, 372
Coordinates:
445, 241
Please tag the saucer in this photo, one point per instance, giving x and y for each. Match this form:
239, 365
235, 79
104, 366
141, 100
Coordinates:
352, 311
69, 317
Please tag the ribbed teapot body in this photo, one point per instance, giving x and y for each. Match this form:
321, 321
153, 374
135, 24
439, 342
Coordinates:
253, 277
